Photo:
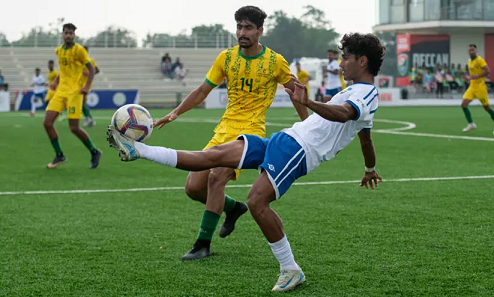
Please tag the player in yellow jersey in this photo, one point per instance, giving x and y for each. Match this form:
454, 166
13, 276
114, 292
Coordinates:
342, 79
253, 73
52, 75
478, 70
71, 58
303, 77
88, 119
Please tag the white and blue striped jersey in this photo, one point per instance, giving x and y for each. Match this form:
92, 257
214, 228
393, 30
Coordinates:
323, 139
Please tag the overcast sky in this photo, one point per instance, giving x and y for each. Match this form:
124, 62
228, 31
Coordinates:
168, 16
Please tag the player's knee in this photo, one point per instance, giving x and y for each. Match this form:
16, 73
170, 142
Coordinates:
464, 105
74, 129
194, 190
220, 176
256, 202
48, 124
214, 153
487, 108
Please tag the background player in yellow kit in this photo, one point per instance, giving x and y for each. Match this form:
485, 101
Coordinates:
52, 75
88, 119
71, 58
303, 77
478, 70
342, 79
253, 73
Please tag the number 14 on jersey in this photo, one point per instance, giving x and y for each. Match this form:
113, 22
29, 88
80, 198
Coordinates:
247, 83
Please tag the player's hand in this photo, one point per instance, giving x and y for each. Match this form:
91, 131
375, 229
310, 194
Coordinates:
371, 179
84, 90
165, 120
294, 78
53, 86
299, 95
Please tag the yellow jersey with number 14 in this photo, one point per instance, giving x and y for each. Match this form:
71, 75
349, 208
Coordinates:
476, 67
71, 61
251, 85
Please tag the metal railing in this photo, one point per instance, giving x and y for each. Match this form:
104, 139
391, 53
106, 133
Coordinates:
117, 40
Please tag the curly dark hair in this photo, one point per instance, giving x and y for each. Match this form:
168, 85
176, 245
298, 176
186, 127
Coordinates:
364, 45
69, 26
252, 14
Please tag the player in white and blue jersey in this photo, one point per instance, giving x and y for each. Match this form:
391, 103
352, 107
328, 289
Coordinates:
293, 152
332, 75
38, 96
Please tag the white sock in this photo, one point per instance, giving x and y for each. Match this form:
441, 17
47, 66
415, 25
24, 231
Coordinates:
157, 154
283, 252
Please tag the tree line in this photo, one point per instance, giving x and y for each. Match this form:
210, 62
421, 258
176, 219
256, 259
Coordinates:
307, 35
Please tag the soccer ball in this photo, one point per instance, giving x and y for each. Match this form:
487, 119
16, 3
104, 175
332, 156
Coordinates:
134, 121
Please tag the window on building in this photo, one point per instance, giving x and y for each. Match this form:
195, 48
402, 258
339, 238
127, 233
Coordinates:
416, 10
398, 12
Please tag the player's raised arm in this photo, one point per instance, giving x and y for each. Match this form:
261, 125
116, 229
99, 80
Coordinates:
302, 111
192, 100
214, 77
371, 177
333, 112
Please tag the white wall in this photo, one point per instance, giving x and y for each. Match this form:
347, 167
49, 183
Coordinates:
459, 45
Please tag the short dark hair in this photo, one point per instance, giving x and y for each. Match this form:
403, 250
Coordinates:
364, 45
332, 51
472, 45
37, 69
51, 61
252, 14
69, 26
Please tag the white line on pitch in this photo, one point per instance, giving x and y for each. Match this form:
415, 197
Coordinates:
242, 186
396, 131
433, 135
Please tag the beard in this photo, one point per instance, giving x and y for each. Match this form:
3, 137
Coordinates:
246, 43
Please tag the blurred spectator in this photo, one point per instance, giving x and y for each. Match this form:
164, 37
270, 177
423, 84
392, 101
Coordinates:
165, 58
3, 85
413, 74
320, 92
450, 80
458, 68
459, 80
419, 80
439, 75
180, 73
176, 64
428, 81
166, 69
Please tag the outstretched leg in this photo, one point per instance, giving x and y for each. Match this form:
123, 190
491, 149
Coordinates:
225, 155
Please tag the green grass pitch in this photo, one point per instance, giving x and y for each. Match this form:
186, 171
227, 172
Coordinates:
411, 238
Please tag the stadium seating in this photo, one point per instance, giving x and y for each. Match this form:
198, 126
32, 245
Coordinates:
120, 69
